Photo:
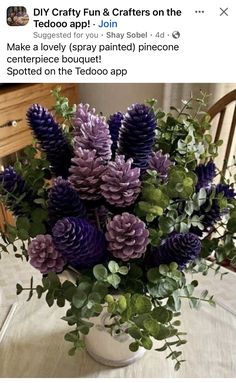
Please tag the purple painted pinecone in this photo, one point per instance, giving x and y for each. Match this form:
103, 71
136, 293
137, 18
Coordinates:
179, 248
127, 237
51, 139
81, 243
44, 256
64, 201
11, 182
137, 134
82, 115
161, 163
86, 173
92, 134
121, 184
114, 123
206, 174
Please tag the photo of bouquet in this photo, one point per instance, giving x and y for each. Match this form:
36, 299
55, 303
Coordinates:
130, 204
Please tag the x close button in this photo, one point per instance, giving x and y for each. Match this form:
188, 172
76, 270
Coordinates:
224, 11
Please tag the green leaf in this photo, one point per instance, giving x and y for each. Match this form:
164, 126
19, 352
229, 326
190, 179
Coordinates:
142, 305
166, 224
177, 366
19, 288
100, 272
72, 351
113, 267
71, 336
163, 269
49, 299
134, 346
165, 332
114, 280
123, 270
68, 289
176, 323
135, 332
146, 342
39, 290
153, 275
23, 234
37, 228
161, 314
60, 301
79, 298
152, 326
122, 303
94, 298
231, 225
163, 348
23, 223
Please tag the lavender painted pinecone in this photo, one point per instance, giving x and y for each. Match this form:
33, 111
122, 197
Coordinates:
206, 174
121, 184
11, 182
44, 256
64, 201
161, 163
127, 237
179, 248
81, 243
51, 139
137, 134
92, 134
86, 173
114, 123
82, 115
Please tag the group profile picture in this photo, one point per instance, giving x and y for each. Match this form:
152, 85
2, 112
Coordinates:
17, 16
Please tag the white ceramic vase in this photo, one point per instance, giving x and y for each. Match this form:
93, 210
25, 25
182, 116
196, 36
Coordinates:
110, 349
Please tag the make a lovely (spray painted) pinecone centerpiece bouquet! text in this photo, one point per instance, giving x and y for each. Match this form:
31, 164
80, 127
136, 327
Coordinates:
131, 203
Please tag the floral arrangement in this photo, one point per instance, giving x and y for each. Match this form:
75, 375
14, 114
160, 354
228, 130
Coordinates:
131, 204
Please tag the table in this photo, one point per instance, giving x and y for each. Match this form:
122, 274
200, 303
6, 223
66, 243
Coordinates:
33, 345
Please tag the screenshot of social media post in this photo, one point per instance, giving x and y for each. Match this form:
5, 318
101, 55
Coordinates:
117, 190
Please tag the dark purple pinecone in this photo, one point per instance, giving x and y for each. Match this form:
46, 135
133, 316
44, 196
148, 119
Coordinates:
81, 243
137, 134
51, 139
127, 237
179, 248
92, 134
205, 174
43, 255
114, 123
121, 184
11, 182
64, 201
86, 173
214, 214
161, 163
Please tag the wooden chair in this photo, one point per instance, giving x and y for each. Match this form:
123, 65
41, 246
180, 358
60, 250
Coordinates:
219, 109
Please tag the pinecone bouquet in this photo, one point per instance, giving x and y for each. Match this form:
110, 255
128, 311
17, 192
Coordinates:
132, 206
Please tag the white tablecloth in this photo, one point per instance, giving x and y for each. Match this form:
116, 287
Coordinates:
33, 345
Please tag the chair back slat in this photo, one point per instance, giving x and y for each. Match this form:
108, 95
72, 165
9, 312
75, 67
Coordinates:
219, 125
220, 108
230, 141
